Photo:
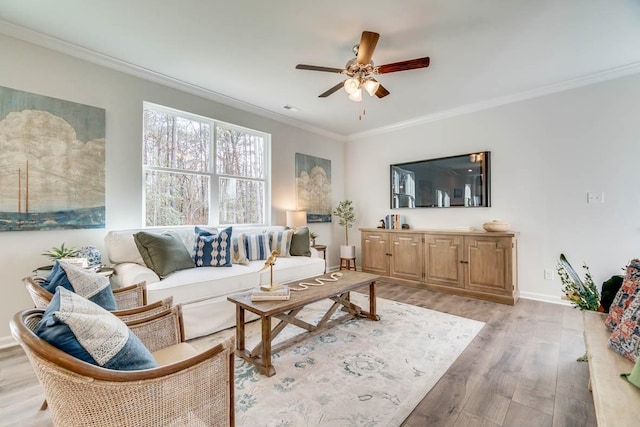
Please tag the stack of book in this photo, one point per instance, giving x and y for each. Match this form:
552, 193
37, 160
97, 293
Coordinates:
394, 221
282, 294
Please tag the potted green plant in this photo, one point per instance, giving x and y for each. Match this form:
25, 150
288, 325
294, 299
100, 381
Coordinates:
61, 252
313, 236
346, 218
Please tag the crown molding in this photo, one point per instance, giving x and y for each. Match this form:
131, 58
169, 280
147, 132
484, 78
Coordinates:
34, 37
610, 74
88, 55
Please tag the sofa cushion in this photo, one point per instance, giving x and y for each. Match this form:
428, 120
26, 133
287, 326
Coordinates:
281, 242
196, 284
626, 294
214, 249
239, 255
163, 253
300, 242
202, 231
88, 332
256, 246
86, 283
625, 338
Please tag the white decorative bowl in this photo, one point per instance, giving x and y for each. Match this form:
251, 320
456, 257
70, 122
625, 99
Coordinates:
496, 226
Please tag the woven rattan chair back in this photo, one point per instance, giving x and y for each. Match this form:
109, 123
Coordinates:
197, 391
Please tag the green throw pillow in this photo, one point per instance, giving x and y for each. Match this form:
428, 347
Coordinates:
163, 253
634, 376
300, 243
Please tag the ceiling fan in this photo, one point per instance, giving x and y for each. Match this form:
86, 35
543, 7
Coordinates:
361, 70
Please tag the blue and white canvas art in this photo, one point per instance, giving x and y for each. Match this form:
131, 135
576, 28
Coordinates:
313, 187
52, 163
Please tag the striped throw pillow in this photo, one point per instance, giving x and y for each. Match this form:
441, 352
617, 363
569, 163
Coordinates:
256, 246
281, 241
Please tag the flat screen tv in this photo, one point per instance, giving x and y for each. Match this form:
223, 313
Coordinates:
455, 181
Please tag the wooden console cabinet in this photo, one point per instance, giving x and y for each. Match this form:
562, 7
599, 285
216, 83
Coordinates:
472, 263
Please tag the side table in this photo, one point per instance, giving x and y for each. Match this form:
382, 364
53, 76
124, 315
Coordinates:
345, 264
323, 249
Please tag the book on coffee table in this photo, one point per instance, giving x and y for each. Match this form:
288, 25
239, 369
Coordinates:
282, 294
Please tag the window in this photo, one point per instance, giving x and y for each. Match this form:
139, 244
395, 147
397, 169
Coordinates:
202, 171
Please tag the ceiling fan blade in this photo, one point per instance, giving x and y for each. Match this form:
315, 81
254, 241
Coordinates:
410, 64
332, 90
316, 68
381, 92
368, 43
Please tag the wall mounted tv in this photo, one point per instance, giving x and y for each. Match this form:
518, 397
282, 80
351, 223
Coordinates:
456, 181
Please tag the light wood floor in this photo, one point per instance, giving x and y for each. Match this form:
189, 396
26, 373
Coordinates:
519, 371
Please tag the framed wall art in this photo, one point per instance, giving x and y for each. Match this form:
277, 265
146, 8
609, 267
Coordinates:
313, 187
52, 163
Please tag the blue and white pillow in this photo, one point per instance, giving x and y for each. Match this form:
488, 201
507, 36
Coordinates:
281, 241
202, 231
214, 250
86, 283
88, 332
256, 246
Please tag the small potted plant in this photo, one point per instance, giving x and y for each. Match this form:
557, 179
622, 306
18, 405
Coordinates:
313, 236
346, 218
61, 252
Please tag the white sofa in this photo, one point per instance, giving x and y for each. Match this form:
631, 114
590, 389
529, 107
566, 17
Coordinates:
203, 291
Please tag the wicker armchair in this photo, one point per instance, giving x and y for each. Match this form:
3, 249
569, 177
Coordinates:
189, 388
131, 301
128, 297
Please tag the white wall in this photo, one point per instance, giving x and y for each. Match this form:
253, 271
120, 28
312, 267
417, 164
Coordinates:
34, 69
546, 154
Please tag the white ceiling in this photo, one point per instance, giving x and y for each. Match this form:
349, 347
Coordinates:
483, 52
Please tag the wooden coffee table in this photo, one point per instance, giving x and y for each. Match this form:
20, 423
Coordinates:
286, 312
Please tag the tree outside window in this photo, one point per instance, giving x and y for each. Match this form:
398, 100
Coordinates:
186, 185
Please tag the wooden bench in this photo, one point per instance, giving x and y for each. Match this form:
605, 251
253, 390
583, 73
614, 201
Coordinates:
617, 402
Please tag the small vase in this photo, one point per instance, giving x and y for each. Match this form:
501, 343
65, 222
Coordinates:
92, 254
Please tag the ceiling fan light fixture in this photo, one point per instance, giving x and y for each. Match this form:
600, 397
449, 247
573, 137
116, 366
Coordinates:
351, 85
371, 86
356, 96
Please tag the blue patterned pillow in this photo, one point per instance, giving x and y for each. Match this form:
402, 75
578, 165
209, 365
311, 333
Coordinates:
88, 332
256, 246
281, 241
86, 283
201, 231
214, 250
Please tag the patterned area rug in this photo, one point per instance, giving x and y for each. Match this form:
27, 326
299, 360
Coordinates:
359, 373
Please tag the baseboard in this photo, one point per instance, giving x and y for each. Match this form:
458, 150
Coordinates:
7, 342
544, 298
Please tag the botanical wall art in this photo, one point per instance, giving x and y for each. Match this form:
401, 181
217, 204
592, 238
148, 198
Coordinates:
52, 163
313, 187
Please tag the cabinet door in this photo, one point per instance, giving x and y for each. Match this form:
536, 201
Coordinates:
406, 256
375, 253
443, 260
489, 264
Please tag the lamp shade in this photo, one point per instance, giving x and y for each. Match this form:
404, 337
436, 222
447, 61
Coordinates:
351, 85
296, 219
356, 96
371, 86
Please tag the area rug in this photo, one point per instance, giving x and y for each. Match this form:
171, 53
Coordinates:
359, 373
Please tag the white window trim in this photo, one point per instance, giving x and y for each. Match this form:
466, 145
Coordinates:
212, 174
